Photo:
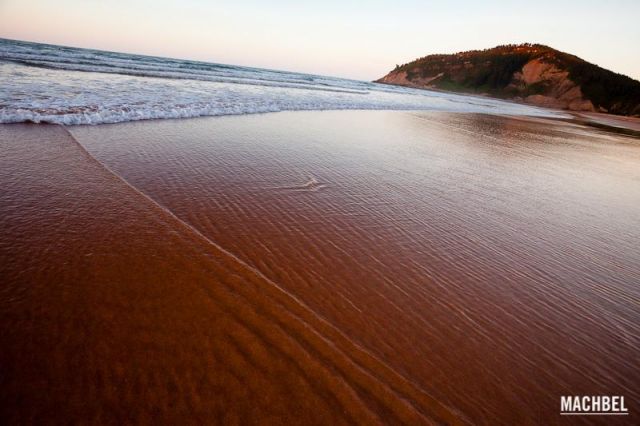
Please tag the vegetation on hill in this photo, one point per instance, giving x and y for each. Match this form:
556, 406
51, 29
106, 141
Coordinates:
493, 71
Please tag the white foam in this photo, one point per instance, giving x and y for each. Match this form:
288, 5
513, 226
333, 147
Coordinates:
42, 83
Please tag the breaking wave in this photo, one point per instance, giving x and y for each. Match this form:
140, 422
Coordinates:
64, 85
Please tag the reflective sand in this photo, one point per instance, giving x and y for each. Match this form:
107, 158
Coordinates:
113, 311
475, 267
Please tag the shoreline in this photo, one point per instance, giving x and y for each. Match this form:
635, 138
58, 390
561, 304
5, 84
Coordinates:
612, 122
596, 119
628, 126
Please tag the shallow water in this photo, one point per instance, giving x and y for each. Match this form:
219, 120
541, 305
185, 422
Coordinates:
492, 261
113, 311
327, 267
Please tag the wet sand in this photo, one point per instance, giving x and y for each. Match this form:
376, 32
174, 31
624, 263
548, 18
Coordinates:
114, 311
610, 120
318, 267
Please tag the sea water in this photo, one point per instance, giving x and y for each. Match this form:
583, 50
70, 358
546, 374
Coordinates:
54, 84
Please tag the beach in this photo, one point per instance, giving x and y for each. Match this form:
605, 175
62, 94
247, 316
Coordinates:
318, 267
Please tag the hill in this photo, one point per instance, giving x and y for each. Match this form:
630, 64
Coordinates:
532, 73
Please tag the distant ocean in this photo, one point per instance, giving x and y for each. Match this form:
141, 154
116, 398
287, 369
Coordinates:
54, 84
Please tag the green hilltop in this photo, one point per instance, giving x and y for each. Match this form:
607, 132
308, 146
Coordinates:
532, 73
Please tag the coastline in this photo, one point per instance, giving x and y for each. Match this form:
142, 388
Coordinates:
614, 122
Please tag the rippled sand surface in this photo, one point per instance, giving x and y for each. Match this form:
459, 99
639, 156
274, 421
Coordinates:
318, 267
114, 311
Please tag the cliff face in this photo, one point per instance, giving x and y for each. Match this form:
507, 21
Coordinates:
559, 90
531, 73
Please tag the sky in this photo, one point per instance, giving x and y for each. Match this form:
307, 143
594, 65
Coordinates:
345, 38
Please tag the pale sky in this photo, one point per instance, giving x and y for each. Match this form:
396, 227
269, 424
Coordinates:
345, 38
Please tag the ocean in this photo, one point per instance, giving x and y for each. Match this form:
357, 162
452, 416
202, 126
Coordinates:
44, 83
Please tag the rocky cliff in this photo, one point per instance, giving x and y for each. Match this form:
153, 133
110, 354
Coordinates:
531, 73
